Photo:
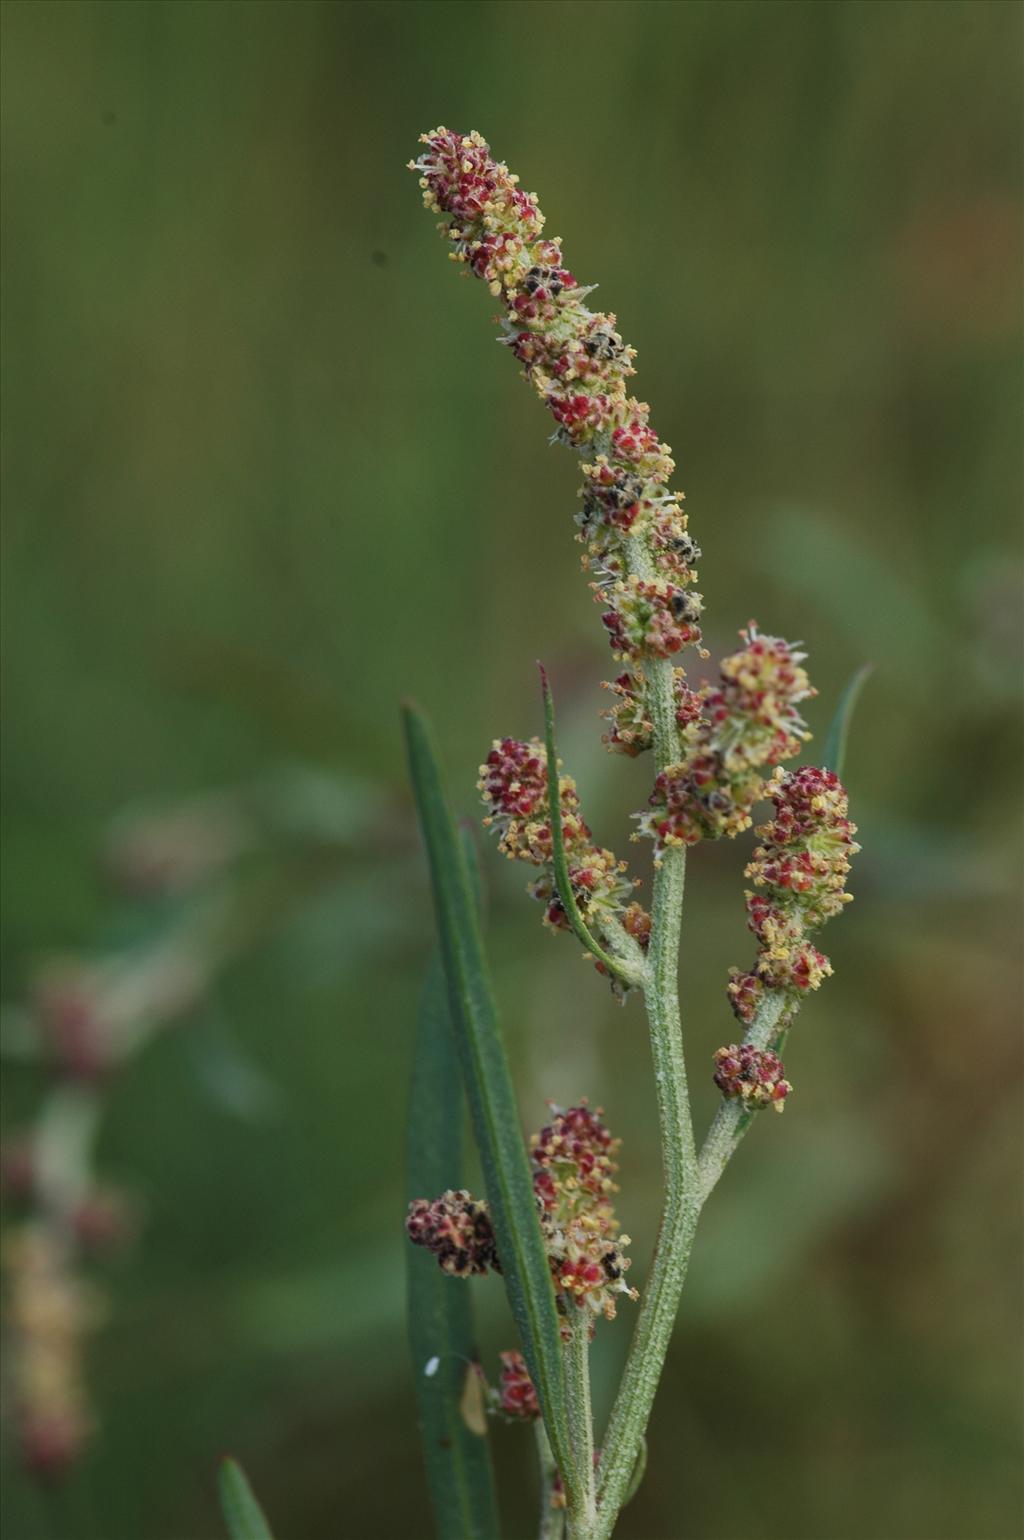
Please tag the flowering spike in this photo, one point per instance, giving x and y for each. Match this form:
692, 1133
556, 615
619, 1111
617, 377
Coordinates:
49, 1316
633, 527
574, 1168
799, 871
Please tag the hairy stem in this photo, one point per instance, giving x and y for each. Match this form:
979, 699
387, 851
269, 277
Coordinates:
552, 1518
660, 1299
582, 1518
732, 1119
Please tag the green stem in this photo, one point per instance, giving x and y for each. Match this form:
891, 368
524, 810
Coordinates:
660, 1300
732, 1119
582, 1518
552, 1518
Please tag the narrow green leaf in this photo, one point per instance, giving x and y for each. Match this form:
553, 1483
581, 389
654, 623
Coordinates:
492, 1102
834, 756
440, 1309
242, 1513
559, 864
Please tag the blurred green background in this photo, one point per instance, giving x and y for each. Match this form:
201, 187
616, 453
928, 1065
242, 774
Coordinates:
266, 472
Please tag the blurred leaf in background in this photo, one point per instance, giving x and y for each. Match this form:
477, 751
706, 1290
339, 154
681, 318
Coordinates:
265, 472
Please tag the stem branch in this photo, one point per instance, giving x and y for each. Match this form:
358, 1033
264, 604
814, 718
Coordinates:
660, 1300
582, 1520
732, 1119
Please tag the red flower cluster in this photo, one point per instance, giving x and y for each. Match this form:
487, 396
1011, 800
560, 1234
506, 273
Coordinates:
633, 526
574, 1170
457, 1229
517, 1396
753, 1075
800, 870
573, 1179
649, 617
729, 731
513, 781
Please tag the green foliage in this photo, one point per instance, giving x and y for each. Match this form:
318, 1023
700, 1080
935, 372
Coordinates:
440, 1309
243, 1515
489, 1090
232, 533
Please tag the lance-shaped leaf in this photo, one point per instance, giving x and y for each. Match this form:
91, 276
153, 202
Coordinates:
243, 1515
834, 756
559, 863
440, 1309
492, 1102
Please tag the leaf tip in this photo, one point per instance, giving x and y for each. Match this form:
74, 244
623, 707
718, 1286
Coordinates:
834, 755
